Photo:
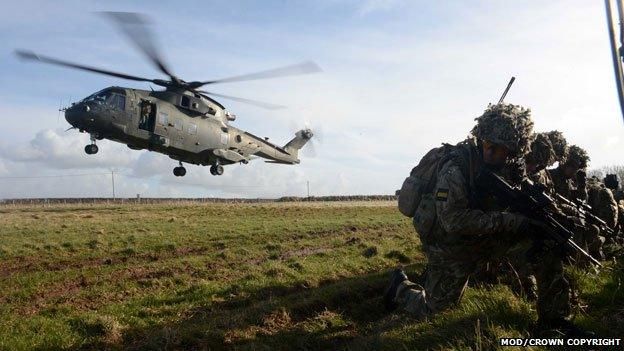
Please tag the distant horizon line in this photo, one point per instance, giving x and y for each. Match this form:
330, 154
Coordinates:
70, 200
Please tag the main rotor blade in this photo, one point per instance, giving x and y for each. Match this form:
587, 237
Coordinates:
292, 70
134, 26
29, 55
265, 105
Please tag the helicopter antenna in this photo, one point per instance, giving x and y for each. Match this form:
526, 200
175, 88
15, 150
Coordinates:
58, 116
500, 101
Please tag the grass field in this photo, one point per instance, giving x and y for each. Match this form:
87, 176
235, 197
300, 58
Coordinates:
242, 276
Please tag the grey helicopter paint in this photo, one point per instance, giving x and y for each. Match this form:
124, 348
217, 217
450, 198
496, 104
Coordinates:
181, 121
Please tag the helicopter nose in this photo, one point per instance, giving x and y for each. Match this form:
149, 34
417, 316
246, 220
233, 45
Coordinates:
71, 115
76, 114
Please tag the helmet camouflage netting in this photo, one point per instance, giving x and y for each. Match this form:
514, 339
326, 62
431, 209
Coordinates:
506, 124
577, 157
559, 144
542, 152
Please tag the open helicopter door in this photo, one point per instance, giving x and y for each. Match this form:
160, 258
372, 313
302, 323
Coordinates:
147, 116
155, 128
616, 48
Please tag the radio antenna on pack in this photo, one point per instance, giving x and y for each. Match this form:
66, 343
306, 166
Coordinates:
500, 101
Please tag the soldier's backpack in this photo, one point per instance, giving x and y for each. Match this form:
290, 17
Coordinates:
422, 179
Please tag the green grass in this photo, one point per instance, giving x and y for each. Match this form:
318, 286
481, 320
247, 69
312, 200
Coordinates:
242, 276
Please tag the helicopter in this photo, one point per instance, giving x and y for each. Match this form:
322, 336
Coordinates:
180, 121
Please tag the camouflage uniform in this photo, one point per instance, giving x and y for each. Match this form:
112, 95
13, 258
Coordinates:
619, 198
620, 225
578, 157
559, 144
611, 181
545, 154
542, 155
602, 201
563, 186
586, 236
603, 204
618, 194
461, 229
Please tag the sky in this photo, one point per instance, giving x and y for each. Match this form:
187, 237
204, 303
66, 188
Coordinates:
399, 78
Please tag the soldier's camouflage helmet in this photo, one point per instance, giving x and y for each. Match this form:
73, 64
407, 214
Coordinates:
542, 152
559, 144
577, 157
506, 124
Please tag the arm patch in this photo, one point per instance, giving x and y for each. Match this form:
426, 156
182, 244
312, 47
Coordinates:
441, 194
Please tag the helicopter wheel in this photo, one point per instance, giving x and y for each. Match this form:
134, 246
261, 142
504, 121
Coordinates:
218, 170
179, 171
91, 149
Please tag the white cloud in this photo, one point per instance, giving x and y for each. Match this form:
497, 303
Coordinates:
65, 150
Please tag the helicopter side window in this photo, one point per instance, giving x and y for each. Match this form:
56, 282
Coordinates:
121, 102
163, 118
177, 124
192, 128
118, 101
185, 102
147, 115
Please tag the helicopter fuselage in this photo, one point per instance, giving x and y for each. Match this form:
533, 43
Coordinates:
186, 127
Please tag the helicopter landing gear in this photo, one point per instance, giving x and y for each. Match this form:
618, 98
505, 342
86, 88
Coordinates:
91, 149
216, 169
179, 171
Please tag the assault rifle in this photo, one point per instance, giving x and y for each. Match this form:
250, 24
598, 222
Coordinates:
532, 201
584, 211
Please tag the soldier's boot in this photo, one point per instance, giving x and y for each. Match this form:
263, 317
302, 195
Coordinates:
397, 277
562, 326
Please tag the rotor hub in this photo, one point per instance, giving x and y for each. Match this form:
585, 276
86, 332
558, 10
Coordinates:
307, 133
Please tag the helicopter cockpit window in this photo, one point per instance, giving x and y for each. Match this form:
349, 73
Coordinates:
185, 102
99, 97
